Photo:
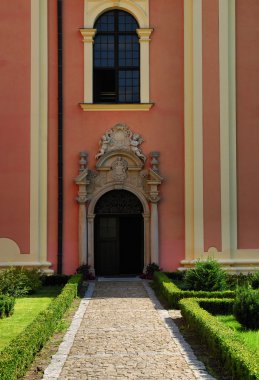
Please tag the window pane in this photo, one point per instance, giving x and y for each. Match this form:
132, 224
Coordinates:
104, 51
104, 86
129, 86
127, 23
116, 68
129, 48
105, 23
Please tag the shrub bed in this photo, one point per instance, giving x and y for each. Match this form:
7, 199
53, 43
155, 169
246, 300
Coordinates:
173, 294
19, 354
246, 308
207, 275
237, 359
6, 306
18, 282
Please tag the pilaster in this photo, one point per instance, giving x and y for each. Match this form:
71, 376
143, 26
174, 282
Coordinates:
39, 128
227, 53
144, 40
88, 40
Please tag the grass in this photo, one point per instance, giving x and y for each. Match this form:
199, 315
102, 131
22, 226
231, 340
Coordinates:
25, 310
43, 358
249, 337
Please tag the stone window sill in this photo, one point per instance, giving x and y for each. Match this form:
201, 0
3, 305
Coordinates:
116, 107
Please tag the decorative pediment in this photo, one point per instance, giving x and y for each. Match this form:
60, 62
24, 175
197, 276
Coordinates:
120, 165
120, 137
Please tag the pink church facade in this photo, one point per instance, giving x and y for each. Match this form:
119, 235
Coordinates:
198, 107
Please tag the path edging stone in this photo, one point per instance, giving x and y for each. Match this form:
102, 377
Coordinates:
54, 369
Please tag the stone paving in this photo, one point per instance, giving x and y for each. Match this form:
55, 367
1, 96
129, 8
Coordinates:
123, 332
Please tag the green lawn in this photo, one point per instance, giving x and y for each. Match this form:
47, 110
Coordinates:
25, 310
249, 337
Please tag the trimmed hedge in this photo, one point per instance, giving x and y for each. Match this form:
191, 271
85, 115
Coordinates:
55, 279
173, 294
238, 360
221, 306
19, 354
6, 305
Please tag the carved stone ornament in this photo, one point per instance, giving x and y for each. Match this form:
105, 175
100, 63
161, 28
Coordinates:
121, 137
120, 165
120, 183
119, 169
81, 199
154, 198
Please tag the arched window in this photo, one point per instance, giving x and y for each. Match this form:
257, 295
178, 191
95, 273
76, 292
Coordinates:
116, 59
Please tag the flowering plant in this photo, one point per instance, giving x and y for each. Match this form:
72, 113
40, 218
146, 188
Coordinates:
150, 270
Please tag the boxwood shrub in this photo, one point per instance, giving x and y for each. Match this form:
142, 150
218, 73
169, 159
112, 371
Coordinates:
207, 275
173, 294
6, 305
246, 308
19, 281
19, 354
222, 341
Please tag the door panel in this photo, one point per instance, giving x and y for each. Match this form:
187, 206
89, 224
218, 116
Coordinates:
131, 257
118, 244
107, 245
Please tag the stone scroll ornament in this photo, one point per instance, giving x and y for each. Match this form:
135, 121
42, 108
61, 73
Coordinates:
122, 138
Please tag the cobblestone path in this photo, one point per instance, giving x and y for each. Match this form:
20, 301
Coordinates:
125, 335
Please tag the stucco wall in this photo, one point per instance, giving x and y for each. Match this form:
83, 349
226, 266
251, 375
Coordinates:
211, 125
161, 128
15, 123
247, 33
52, 134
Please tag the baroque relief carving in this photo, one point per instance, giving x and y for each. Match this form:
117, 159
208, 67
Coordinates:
119, 169
121, 137
120, 164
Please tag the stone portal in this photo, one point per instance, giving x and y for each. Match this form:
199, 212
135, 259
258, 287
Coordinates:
121, 165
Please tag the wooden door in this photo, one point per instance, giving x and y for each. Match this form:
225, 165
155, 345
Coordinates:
131, 244
119, 244
107, 245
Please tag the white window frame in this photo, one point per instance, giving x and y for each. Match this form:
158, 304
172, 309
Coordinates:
140, 10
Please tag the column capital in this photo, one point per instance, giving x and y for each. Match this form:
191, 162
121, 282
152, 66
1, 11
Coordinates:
144, 34
154, 198
88, 35
82, 199
90, 218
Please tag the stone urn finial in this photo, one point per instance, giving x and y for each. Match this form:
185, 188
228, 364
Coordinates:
83, 161
154, 161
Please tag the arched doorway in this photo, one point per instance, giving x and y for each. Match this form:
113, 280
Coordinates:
118, 234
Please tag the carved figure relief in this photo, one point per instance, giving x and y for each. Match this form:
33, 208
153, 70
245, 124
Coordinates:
120, 165
134, 144
104, 142
122, 138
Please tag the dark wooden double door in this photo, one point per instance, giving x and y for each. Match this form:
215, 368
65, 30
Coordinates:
119, 244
